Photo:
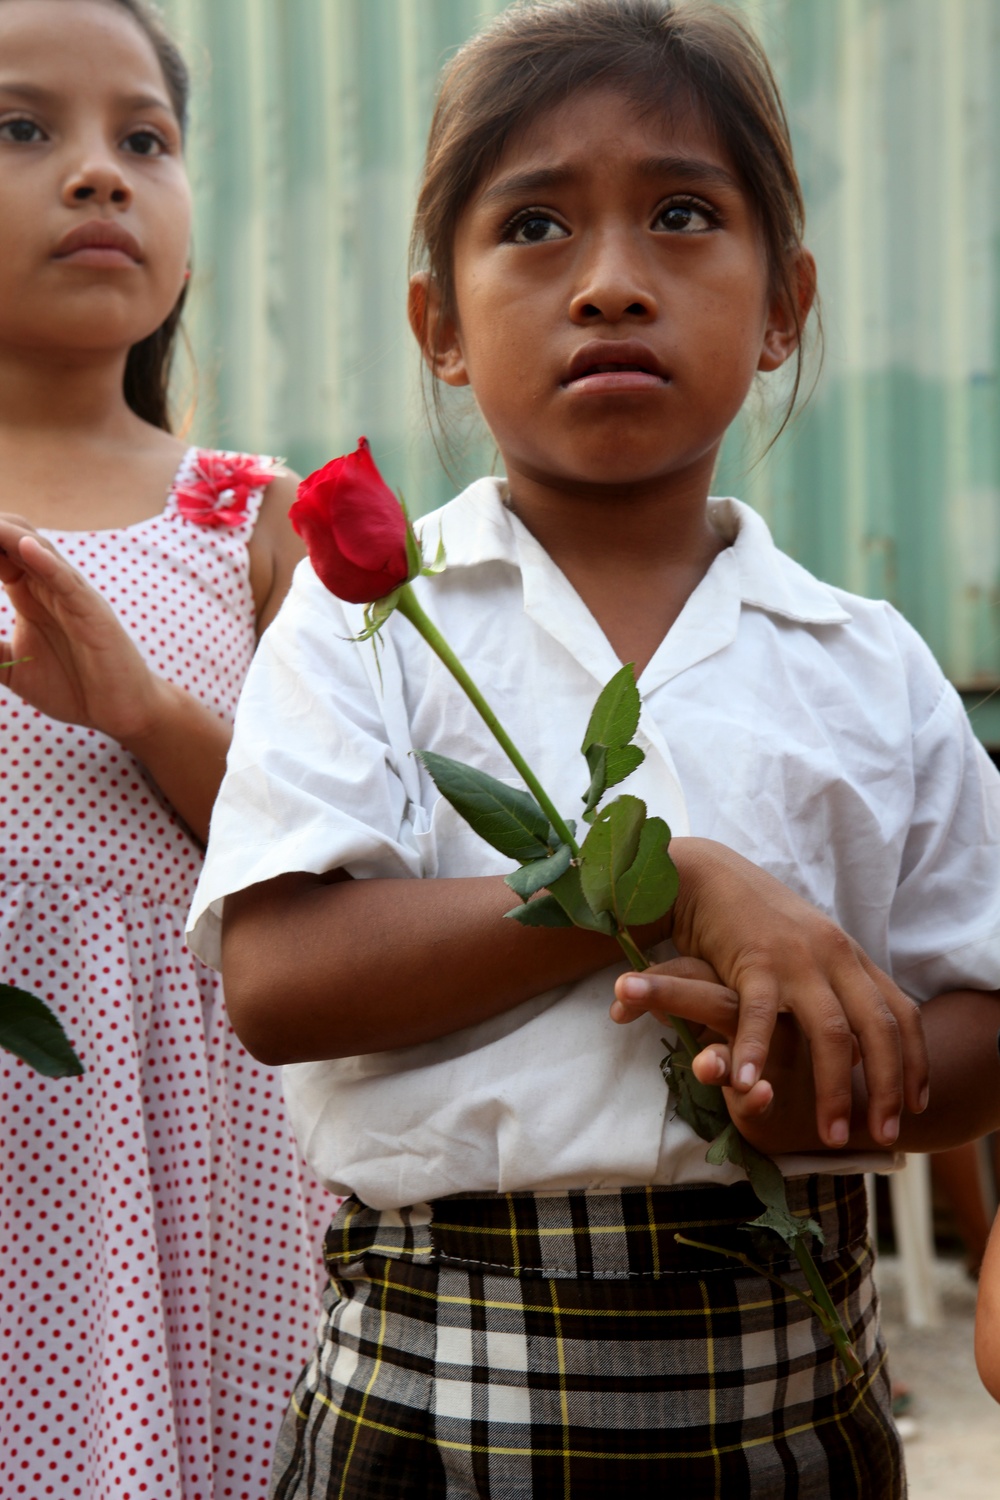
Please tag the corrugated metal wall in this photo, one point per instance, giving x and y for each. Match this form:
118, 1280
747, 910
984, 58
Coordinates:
308, 133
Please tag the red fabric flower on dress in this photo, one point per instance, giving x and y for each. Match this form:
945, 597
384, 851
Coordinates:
218, 488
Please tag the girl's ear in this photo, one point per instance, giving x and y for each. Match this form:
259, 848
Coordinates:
436, 333
788, 313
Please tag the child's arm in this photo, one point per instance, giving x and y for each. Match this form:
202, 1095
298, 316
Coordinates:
988, 1316
778, 1114
321, 967
79, 665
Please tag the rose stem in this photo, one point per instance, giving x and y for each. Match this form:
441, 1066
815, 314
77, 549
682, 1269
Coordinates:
421, 622
821, 1306
409, 607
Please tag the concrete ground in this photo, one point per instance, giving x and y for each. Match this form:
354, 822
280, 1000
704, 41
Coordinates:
954, 1450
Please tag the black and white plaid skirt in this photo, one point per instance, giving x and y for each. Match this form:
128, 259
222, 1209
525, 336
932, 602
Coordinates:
566, 1345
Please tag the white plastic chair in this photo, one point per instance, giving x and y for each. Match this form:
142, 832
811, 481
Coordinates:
912, 1221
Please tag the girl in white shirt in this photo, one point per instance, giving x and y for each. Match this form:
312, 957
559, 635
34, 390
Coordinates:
609, 242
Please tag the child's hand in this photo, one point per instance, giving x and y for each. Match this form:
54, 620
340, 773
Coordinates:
76, 662
778, 1112
774, 952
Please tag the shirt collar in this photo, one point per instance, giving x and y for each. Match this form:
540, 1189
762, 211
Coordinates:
478, 528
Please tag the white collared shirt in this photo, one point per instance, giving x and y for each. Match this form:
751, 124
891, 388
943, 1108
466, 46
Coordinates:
806, 728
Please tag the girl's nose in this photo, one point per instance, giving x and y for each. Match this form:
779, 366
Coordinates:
611, 288
99, 180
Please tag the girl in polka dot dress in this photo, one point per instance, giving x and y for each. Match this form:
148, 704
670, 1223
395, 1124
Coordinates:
159, 1288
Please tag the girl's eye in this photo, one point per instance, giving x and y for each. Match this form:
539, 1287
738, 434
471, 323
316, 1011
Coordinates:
144, 143
686, 218
533, 228
21, 132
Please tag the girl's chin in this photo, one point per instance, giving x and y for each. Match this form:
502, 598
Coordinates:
107, 330
619, 472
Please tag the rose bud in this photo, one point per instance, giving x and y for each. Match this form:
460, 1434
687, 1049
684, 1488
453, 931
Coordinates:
355, 529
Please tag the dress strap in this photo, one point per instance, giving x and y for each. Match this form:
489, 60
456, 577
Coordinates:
216, 488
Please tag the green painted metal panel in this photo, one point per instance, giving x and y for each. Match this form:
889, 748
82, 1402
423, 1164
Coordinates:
309, 126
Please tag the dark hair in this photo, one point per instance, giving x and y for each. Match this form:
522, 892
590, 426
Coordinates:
661, 54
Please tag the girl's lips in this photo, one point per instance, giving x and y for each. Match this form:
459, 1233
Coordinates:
99, 243
99, 255
623, 379
614, 365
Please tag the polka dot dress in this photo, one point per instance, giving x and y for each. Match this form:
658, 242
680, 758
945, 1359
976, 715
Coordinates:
158, 1292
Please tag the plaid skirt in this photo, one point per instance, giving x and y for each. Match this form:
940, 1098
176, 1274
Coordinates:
566, 1345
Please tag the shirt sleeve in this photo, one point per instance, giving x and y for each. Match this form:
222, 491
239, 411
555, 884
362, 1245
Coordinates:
319, 774
945, 920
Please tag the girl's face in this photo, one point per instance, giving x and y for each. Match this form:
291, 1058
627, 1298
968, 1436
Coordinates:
612, 297
95, 209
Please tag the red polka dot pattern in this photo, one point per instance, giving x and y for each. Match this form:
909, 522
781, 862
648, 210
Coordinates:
159, 1287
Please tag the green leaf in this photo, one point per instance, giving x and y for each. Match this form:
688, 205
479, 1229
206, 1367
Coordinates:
609, 849
622, 761
781, 1221
615, 718
537, 874
649, 886
725, 1147
509, 819
432, 569
769, 1185
545, 912
568, 891
606, 744
607, 769
700, 1105
30, 1030
414, 556
597, 760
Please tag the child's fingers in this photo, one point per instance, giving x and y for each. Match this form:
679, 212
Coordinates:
26, 556
916, 1064
713, 1065
684, 987
45, 563
824, 1023
890, 1035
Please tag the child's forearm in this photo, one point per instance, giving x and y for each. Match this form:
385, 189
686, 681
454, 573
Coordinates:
183, 746
961, 1029
988, 1316
318, 968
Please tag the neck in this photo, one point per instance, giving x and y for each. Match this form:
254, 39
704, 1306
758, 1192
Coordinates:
634, 553
79, 397
649, 525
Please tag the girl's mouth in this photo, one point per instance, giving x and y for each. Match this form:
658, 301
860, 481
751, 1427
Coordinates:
617, 378
99, 243
615, 365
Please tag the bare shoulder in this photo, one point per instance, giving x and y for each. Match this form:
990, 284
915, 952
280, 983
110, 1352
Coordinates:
274, 547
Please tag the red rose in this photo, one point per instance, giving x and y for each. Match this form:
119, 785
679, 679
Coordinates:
354, 528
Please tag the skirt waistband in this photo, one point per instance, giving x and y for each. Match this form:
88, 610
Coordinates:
626, 1232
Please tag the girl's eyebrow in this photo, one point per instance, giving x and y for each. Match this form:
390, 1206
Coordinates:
28, 91
519, 183
32, 93
688, 168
